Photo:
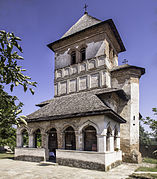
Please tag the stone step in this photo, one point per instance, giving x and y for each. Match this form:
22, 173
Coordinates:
46, 163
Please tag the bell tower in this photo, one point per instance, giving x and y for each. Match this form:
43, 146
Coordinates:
86, 59
84, 56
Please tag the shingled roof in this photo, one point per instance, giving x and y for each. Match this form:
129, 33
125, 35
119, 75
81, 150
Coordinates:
73, 105
84, 22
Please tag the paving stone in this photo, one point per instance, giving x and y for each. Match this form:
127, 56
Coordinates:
11, 169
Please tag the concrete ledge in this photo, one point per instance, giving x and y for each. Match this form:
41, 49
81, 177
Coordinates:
86, 164
30, 154
88, 159
81, 164
29, 158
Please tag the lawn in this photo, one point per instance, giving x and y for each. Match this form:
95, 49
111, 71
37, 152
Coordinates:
146, 169
6, 155
150, 160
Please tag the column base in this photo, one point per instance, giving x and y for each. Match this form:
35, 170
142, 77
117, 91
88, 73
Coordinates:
133, 157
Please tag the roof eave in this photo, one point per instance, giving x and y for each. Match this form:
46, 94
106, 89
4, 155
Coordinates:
130, 66
108, 112
109, 21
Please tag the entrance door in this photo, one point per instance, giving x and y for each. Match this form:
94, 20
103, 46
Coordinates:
90, 139
52, 144
70, 143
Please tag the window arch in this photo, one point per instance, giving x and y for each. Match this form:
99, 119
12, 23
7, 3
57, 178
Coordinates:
90, 139
83, 53
73, 57
70, 141
52, 143
37, 138
25, 138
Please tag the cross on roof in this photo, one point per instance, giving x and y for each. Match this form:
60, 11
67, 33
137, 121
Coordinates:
125, 61
85, 7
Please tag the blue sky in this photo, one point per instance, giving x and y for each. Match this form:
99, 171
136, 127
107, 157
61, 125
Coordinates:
40, 22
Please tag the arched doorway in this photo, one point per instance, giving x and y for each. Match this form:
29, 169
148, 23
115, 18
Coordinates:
25, 138
37, 138
70, 142
90, 139
52, 143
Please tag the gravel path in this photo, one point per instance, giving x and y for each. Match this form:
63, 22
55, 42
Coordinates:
11, 169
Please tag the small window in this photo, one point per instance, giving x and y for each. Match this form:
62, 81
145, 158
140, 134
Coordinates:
73, 57
83, 54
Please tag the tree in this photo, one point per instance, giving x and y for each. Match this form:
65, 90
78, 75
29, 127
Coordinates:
152, 123
144, 136
11, 74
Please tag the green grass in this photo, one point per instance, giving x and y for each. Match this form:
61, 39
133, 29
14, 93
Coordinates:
6, 156
142, 176
150, 160
146, 169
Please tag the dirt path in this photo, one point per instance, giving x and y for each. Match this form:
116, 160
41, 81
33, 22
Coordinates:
10, 169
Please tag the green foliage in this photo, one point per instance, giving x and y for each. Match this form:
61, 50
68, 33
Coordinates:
8, 113
38, 139
10, 72
25, 139
152, 123
144, 136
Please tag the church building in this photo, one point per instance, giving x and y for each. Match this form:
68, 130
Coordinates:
93, 120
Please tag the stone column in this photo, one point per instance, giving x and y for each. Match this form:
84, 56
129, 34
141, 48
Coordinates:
31, 141
101, 142
117, 141
44, 140
19, 140
60, 140
111, 143
78, 140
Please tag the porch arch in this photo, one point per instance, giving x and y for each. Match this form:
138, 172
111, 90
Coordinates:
37, 138
69, 138
25, 138
90, 138
52, 142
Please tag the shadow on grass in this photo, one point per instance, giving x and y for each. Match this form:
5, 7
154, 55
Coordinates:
6, 156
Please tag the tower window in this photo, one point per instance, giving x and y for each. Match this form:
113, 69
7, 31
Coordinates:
73, 57
83, 53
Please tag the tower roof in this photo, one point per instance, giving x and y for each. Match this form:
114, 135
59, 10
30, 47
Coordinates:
84, 22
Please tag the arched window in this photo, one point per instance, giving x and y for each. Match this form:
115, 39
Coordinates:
83, 54
73, 57
25, 138
70, 143
90, 139
37, 138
